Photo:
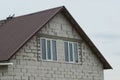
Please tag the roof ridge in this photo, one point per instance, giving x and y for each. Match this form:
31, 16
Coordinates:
3, 21
37, 12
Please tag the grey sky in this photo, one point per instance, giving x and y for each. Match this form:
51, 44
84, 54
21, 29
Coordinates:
100, 19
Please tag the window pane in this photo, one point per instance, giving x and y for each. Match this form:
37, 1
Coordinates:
43, 47
66, 51
75, 52
71, 51
49, 49
54, 50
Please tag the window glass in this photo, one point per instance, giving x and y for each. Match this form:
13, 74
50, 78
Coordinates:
66, 51
54, 50
75, 52
49, 49
70, 50
43, 46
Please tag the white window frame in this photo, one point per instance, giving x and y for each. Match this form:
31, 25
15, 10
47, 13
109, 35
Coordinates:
72, 51
50, 48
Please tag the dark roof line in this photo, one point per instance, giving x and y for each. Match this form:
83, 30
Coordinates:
87, 40
23, 28
60, 7
2, 21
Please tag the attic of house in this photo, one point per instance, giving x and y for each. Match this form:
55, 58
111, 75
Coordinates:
48, 45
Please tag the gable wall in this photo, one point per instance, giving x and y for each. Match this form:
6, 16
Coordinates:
27, 63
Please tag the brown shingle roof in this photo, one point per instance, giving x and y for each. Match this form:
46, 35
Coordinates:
17, 31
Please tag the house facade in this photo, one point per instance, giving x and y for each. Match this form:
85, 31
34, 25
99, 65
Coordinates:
56, 50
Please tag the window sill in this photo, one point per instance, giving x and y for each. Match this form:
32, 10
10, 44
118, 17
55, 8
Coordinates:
72, 63
49, 61
53, 61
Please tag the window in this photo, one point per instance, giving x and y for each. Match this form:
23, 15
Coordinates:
71, 52
48, 47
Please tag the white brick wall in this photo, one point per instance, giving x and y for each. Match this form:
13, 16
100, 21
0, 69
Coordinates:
27, 63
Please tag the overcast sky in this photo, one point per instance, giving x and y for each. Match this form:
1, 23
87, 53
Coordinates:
100, 19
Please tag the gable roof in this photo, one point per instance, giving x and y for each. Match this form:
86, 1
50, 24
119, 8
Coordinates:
17, 31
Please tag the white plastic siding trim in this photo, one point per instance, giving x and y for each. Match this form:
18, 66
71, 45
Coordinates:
3, 64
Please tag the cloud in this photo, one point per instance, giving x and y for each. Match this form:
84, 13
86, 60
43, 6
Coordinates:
107, 43
107, 36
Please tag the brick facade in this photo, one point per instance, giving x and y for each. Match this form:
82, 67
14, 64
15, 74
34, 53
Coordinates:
28, 65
